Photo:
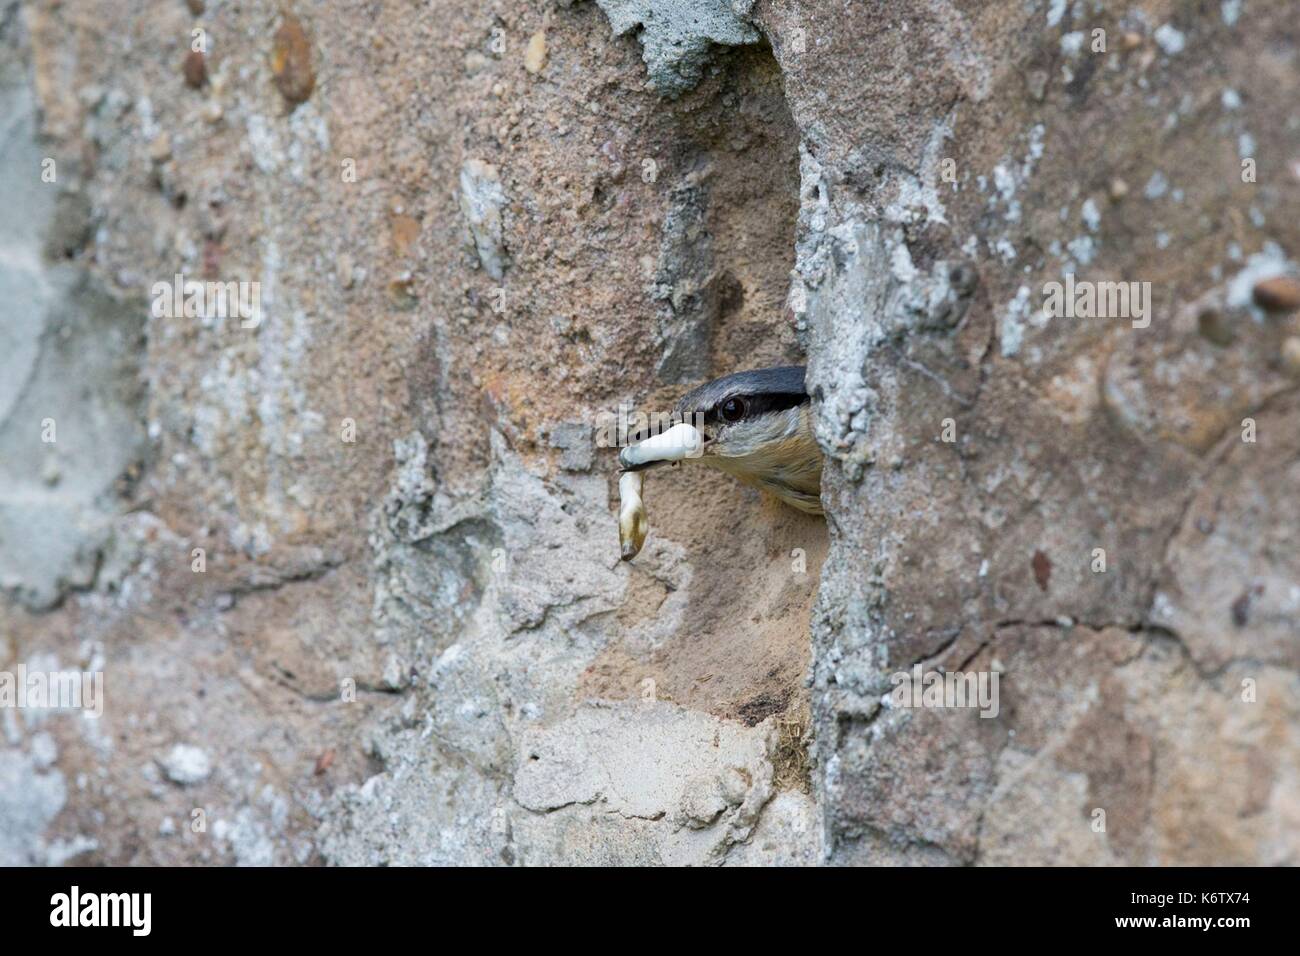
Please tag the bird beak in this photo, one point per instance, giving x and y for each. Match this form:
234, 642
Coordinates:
679, 442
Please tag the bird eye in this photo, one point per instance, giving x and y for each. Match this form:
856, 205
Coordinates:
733, 409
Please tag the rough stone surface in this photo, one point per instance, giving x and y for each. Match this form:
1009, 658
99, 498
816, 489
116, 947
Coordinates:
1070, 435
481, 200
351, 573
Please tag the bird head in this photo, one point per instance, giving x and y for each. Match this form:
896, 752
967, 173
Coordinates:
754, 425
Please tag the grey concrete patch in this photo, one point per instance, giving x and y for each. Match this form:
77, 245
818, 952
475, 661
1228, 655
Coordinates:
30, 797
70, 397
704, 781
677, 36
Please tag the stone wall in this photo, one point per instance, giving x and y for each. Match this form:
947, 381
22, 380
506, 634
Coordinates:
348, 565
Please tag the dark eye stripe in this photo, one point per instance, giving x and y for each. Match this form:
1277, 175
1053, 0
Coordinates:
756, 405
782, 401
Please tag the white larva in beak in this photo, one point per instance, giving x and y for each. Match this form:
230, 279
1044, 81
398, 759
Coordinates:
632, 521
680, 441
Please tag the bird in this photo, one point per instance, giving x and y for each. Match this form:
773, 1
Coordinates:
755, 425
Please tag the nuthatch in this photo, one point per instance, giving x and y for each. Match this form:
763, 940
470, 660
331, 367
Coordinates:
756, 426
